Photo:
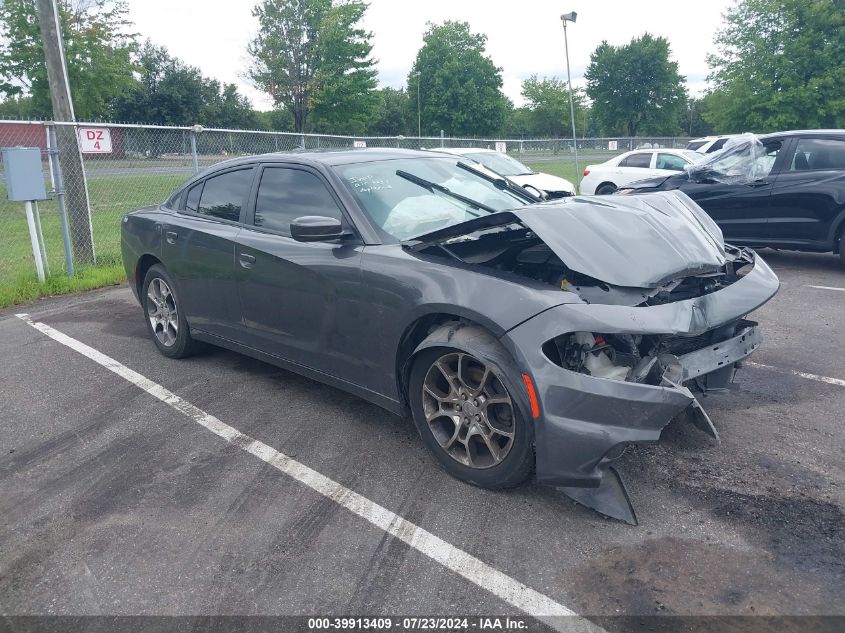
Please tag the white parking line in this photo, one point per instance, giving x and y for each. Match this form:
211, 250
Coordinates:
827, 288
531, 602
801, 374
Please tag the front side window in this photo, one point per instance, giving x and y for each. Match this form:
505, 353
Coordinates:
637, 160
285, 194
819, 153
670, 161
223, 196
748, 162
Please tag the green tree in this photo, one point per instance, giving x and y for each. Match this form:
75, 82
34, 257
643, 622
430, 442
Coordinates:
394, 114
98, 45
519, 123
278, 120
692, 119
548, 101
460, 86
169, 92
636, 88
780, 64
311, 56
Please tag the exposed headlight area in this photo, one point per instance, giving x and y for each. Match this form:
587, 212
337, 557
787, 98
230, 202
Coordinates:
658, 360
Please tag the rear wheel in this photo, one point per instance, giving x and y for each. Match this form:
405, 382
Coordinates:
606, 189
468, 419
165, 319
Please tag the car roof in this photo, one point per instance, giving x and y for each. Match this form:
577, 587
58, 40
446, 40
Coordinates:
669, 150
464, 150
327, 157
803, 133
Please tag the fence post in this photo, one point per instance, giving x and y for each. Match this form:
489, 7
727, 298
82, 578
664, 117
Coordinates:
442, 139
76, 194
56, 172
194, 156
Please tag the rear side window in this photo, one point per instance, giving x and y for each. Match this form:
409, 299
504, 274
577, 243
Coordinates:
670, 161
637, 160
223, 196
285, 194
819, 153
192, 202
696, 145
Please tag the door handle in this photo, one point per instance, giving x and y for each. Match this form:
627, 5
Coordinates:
247, 260
171, 237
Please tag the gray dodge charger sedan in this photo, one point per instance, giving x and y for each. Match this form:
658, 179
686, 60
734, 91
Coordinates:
522, 336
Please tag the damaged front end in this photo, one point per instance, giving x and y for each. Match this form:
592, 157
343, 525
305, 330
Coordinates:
653, 312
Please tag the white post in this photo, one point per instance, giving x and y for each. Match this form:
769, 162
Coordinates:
33, 236
41, 243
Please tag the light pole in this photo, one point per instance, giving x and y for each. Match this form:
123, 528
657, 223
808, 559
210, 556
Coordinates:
570, 17
419, 114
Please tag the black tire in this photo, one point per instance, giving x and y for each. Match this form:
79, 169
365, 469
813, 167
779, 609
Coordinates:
605, 189
517, 465
172, 342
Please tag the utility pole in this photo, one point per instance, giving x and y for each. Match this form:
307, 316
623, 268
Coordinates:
571, 17
70, 159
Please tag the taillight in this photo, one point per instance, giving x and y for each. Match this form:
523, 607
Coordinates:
586, 172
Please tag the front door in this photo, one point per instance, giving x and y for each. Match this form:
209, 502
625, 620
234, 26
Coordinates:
809, 193
741, 207
299, 299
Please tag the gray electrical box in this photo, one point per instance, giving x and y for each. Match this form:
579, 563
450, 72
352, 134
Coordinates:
24, 178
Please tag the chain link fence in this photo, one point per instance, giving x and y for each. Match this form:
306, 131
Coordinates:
105, 170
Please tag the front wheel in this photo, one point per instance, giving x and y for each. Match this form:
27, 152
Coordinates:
468, 419
164, 316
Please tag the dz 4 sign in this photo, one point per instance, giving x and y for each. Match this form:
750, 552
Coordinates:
95, 140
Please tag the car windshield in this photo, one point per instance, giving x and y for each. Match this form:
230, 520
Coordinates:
406, 197
502, 164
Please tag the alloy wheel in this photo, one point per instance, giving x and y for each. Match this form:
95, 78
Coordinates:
468, 410
162, 312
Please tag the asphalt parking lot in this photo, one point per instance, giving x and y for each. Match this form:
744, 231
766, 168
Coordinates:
113, 501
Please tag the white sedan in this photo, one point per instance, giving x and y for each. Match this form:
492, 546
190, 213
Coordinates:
617, 172
504, 165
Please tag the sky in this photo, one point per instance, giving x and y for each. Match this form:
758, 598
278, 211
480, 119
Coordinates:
524, 38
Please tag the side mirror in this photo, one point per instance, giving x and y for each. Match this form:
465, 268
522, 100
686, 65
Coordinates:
316, 228
534, 190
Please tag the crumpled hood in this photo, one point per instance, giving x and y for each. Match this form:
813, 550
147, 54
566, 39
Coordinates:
636, 241
544, 182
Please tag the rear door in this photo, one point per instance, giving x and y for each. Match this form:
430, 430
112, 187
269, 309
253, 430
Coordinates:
741, 210
633, 167
198, 250
299, 299
809, 193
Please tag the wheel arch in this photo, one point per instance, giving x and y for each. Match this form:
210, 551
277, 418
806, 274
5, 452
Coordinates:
603, 183
145, 262
415, 333
448, 329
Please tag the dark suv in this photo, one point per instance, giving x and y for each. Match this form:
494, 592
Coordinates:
796, 200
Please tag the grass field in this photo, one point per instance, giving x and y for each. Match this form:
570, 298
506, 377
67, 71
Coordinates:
561, 168
111, 197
